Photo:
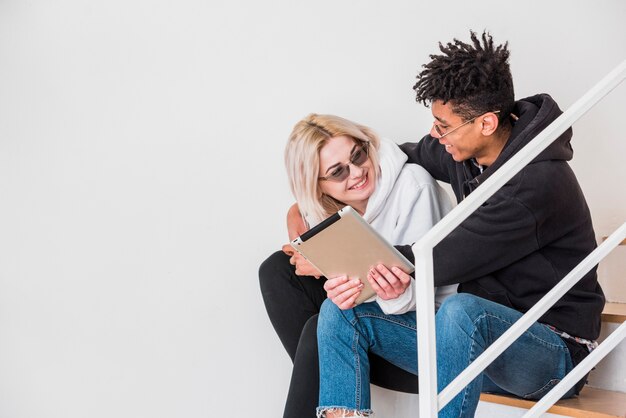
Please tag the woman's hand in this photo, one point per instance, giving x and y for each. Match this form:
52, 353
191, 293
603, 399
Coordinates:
343, 291
388, 283
303, 267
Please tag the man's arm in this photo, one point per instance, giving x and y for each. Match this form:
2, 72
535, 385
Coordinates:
295, 223
480, 246
499, 233
431, 155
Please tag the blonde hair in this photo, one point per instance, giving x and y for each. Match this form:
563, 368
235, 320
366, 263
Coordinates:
302, 160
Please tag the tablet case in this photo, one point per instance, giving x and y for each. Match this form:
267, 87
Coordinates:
345, 243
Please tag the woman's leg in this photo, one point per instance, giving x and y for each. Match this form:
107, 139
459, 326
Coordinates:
290, 300
292, 303
344, 340
304, 385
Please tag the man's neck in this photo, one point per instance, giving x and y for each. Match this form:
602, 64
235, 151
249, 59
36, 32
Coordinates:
499, 141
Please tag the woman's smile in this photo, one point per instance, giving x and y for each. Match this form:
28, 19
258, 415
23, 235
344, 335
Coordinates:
361, 184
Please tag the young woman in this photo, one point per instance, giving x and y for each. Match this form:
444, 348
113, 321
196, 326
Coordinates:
332, 162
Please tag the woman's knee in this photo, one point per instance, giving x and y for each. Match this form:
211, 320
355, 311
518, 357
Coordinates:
307, 346
273, 269
330, 318
329, 312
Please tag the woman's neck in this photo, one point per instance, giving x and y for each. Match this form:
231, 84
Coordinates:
360, 207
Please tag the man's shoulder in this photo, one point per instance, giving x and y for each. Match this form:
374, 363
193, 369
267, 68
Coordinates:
545, 174
544, 184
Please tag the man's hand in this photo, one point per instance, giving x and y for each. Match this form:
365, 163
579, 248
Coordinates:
388, 284
343, 291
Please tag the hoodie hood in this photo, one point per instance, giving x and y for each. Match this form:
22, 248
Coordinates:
534, 114
391, 160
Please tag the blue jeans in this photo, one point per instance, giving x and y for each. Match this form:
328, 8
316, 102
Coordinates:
465, 324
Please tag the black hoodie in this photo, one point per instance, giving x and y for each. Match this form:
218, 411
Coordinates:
529, 235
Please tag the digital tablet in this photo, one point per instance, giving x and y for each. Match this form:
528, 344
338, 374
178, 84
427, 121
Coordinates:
346, 244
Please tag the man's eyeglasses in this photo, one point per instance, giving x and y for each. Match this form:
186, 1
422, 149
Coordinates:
358, 157
442, 132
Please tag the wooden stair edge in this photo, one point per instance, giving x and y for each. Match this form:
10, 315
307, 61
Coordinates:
591, 403
604, 238
614, 312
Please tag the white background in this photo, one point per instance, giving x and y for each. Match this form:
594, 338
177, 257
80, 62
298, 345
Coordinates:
141, 144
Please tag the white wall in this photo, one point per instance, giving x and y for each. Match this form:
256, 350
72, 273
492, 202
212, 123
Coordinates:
141, 143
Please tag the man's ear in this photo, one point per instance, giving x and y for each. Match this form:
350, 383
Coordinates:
489, 122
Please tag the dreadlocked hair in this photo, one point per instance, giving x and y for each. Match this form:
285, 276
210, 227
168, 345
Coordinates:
475, 78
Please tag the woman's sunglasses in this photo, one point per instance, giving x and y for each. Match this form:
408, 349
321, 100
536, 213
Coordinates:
358, 157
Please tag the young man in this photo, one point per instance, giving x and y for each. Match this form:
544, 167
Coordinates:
506, 256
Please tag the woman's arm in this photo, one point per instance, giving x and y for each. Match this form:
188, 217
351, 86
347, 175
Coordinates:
296, 227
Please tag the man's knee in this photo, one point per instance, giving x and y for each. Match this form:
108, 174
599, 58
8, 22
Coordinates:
462, 309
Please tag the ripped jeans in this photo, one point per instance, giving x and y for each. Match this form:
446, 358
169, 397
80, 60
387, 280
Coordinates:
465, 325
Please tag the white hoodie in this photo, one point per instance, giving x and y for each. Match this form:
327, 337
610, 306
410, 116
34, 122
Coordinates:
406, 203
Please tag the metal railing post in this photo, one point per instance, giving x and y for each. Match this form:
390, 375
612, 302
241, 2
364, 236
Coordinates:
425, 322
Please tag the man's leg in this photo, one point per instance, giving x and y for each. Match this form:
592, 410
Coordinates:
466, 325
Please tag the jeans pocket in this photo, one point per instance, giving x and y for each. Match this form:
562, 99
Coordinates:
538, 394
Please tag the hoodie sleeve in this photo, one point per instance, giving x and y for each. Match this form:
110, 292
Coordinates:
499, 233
428, 153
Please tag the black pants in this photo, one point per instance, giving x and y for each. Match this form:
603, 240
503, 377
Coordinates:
292, 303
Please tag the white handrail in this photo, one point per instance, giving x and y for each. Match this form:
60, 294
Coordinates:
428, 405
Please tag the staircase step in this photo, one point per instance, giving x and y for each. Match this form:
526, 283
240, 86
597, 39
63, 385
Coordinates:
614, 312
591, 403
621, 243
611, 274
